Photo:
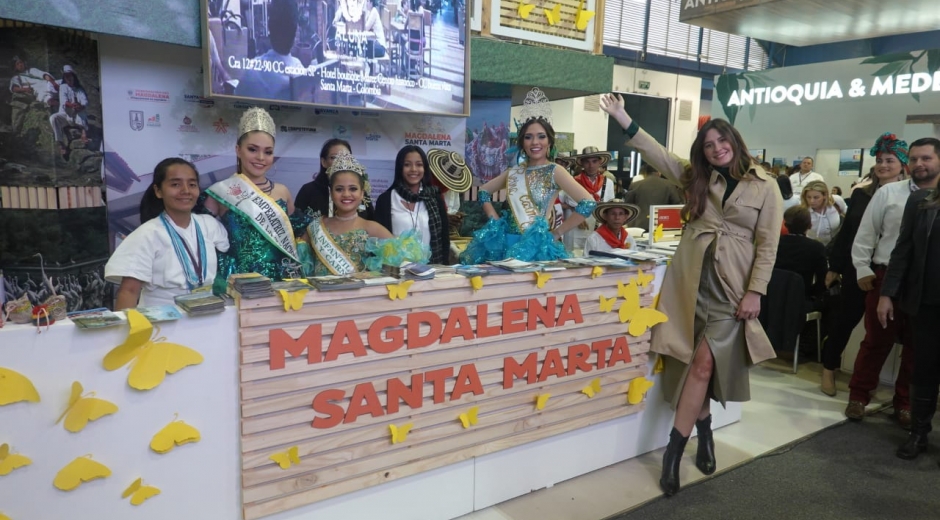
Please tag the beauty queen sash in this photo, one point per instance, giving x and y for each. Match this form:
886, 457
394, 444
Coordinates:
241, 195
327, 251
523, 205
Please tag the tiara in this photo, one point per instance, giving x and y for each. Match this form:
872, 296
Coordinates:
536, 106
345, 162
256, 119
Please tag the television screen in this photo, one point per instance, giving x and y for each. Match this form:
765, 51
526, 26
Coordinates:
396, 55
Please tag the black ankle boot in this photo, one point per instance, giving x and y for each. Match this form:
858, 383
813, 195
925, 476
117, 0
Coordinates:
705, 456
922, 411
669, 482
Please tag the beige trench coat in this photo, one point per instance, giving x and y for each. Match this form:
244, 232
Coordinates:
747, 230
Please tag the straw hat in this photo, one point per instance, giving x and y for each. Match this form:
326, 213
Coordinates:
593, 151
566, 161
601, 210
450, 169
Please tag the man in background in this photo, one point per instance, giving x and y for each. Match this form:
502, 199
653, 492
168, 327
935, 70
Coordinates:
806, 175
270, 84
30, 85
653, 191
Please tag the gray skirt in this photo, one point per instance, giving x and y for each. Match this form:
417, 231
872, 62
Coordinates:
715, 322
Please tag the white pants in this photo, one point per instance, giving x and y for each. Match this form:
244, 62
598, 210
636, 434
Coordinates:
60, 120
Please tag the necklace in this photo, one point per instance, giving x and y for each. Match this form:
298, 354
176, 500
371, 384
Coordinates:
267, 186
346, 219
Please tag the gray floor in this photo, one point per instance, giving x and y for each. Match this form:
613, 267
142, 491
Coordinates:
847, 471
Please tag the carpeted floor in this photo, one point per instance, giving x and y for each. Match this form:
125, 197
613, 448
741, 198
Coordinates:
848, 471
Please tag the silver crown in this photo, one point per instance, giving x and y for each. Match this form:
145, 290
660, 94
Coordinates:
536, 106
255, 119
345, 162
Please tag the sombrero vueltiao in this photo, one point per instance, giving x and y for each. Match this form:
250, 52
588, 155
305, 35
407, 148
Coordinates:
592, 151
632, 211
450, 169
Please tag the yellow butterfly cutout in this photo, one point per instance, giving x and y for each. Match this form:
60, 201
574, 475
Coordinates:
637, 389
582, 17
155, 358
476, 282
658, 233
659, 366
82, 469
597, 271
399, 291
553, 15
177, 433
293, 300
593, 388
4, 517
400, 433
284, 459
15, 387
541, 278
10, 462
607, 304
469, 418
624, 289
139, 492
541, 400
643, 280
81, 409
640, 319
525, 10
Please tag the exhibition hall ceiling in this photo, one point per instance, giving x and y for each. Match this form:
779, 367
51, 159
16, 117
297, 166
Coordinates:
811, 22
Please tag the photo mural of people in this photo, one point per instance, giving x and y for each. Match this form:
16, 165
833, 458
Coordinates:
51, 189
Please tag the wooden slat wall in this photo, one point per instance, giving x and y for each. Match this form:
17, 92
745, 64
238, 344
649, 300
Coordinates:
33, 197
276, 405
537, 21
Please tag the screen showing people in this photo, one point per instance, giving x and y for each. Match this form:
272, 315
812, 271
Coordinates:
401, 55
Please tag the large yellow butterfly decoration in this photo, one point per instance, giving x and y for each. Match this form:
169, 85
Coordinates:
582, 17
82, 469
285, 459
10, 462
592, 389
525, 10
476, 282
15, 387
139, 492
293, 301
640, 319
637, 389
155, 358
82, 409
177, 433
469, 418
400, 433
643, 279
541, 278
553, 15
541, 400
399, 291
607, 304
624, 289
658, 233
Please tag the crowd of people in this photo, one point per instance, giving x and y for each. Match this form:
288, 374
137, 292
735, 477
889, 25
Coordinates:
740, 225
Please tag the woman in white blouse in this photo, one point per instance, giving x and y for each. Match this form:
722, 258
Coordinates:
827, 216
413, 203
173, 252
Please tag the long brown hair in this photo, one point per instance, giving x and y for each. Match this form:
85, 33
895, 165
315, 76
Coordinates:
696, 178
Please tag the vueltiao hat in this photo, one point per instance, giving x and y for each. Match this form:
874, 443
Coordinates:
592, 151
450, 169
632, 211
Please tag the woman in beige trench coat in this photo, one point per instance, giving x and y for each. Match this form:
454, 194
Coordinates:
711, 291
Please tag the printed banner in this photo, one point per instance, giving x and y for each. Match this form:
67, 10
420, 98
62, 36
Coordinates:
488, 137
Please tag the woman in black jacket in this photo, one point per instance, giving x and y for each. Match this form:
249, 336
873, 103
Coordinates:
413, 203
914, 280
851, 305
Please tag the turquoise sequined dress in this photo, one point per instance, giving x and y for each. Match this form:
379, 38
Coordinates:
251, 252
501, 239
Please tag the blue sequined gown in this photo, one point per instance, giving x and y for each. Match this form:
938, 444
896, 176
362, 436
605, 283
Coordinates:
501, 239
251, 252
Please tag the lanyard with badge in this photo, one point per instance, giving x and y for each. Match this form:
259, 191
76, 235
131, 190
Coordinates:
195, 268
